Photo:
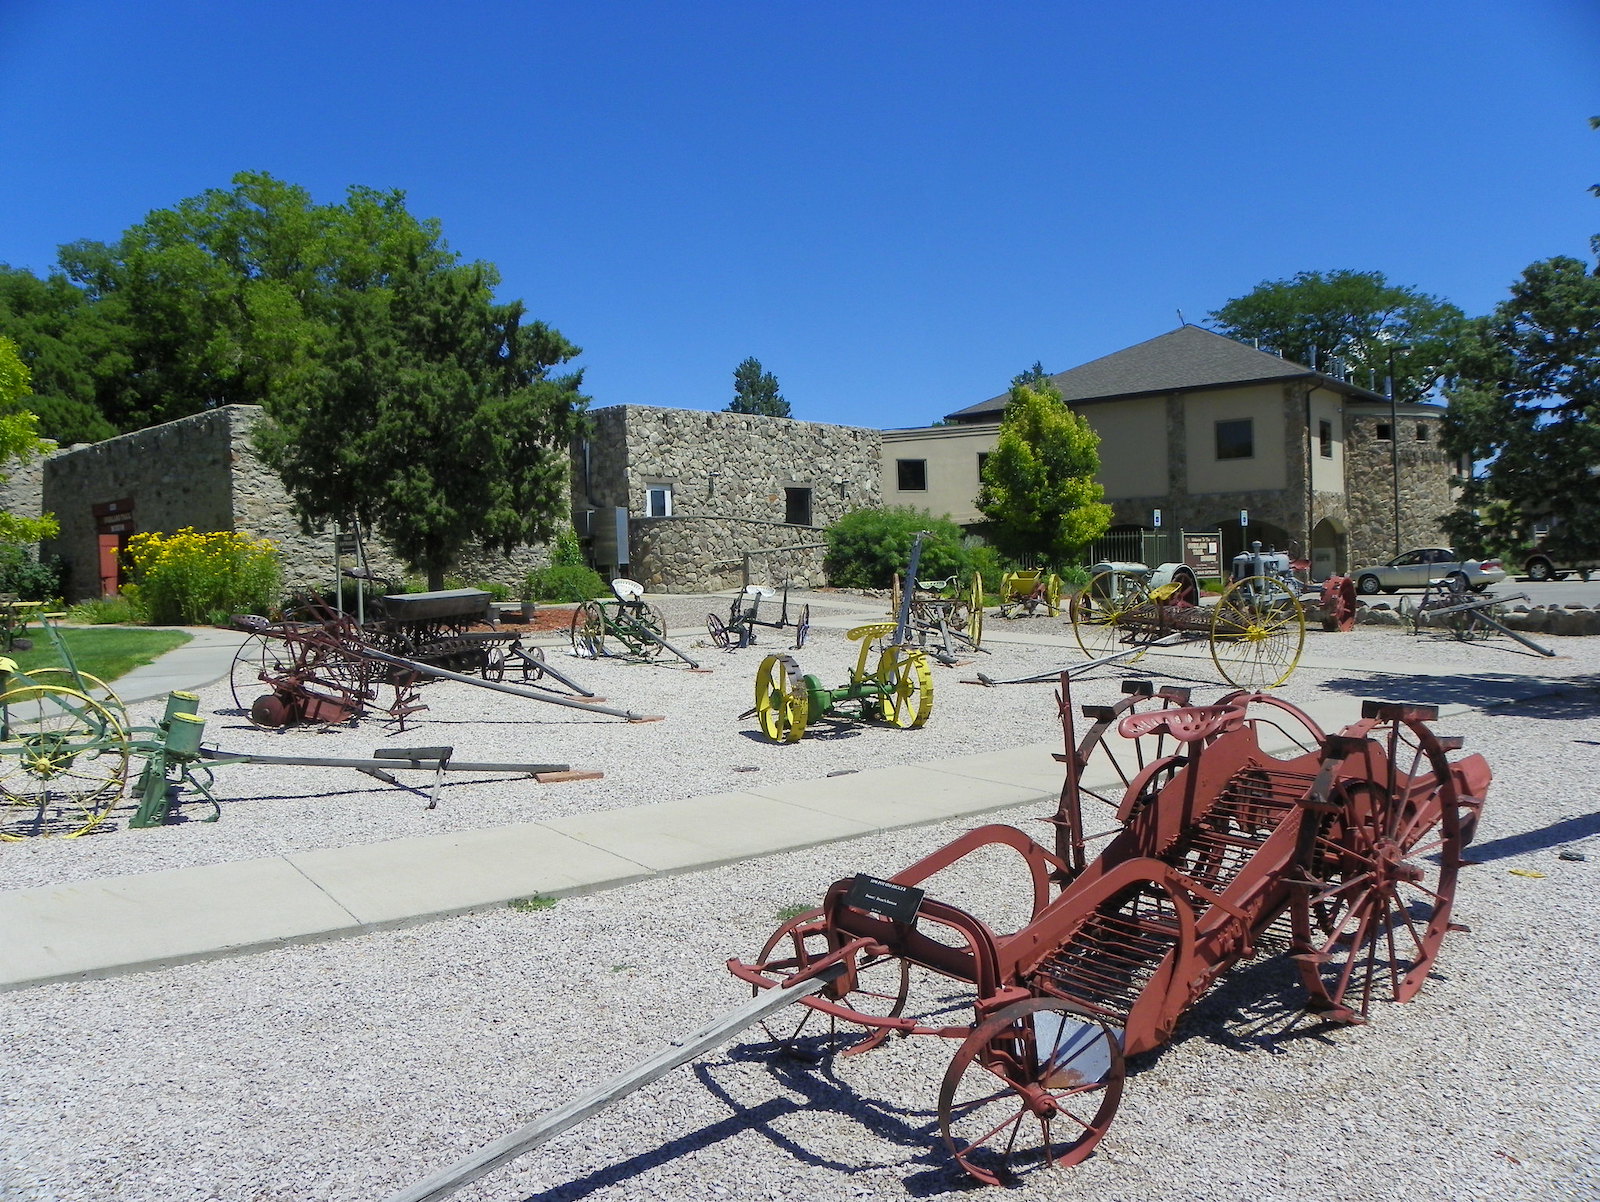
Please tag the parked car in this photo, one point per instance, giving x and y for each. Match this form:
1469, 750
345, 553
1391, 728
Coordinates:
1419, 568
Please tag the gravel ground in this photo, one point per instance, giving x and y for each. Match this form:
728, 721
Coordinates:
348, 1070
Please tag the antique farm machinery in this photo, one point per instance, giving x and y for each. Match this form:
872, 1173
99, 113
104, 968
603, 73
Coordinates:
1238, 828
326, 671
1030, 592
744, 615
627, 620
1447, 605
898, 689
1255, 630
943, 616
1348, 851
67, 750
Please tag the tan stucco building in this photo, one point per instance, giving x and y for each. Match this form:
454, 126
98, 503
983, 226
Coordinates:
1203, 428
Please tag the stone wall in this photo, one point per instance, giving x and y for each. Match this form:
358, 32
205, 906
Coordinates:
728, 473
1424, 483
694, 555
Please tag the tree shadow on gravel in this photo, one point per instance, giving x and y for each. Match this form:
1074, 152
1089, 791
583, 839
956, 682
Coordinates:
1508, 693
1568, 830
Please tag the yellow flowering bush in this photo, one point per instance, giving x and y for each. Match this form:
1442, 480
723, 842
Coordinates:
190, 578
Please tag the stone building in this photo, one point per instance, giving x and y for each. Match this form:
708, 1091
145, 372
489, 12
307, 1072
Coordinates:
1204, 429
686, 500
199, 471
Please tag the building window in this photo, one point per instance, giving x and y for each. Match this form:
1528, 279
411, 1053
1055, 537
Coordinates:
1422, 433
912, 474
658, 501
797, 506
983, 458
1384, 434
1325, 439
1236, 439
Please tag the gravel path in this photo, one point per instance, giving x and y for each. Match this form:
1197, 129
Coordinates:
348, 1070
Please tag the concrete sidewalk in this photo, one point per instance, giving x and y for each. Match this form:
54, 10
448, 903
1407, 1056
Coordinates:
130, 923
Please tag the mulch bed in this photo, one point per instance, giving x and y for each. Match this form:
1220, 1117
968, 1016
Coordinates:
547, 619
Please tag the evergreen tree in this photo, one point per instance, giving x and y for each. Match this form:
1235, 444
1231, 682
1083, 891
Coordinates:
756, 391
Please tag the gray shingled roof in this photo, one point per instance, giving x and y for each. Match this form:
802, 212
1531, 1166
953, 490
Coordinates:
1185, 359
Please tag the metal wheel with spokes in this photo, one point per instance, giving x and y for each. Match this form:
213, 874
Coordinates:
651, 632
875, 987
1257, 631
975, 611
1032, 1087
907, 682
782, 705
1104, 624
63, 762
1109, 765
1380, 878
589, 630
802, 630
1052, 594
718, 630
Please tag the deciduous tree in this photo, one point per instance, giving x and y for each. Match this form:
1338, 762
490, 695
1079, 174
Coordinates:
1525, 410
19, 442
1039, 490
1354, 316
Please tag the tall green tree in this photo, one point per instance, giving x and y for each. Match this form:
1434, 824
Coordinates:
1039, 490
1357, 317
756, 391
63, 343
1525, 411
1525, 407
19, 442
433, 415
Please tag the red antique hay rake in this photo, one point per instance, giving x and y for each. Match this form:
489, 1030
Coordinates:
1349, 848
1344, 848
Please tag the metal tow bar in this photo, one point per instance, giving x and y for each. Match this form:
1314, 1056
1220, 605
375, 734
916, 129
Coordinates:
469, 1168
1076, 670
513, 690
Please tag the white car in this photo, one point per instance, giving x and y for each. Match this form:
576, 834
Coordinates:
1420, 568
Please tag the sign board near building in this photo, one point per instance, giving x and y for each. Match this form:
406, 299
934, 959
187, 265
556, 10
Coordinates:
1203, 553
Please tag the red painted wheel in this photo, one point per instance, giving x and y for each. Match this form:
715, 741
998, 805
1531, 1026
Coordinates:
1034, 1086
1382, 862
877, 989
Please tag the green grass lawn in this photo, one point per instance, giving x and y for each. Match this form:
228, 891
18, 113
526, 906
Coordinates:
98, 650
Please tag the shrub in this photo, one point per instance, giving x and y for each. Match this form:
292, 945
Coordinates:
563, 583
193, 578
105, 611
867, 547
565, 552
29, 578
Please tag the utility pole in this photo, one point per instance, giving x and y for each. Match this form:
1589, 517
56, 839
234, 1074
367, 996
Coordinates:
1394, 449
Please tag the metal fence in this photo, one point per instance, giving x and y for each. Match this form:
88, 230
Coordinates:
1137, 546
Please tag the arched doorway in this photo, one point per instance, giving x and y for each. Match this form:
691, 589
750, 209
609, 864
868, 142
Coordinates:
1329, 549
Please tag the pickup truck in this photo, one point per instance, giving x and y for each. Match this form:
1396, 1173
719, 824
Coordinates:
1539, 564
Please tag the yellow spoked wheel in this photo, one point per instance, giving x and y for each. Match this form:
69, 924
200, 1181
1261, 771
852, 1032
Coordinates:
1052, 593
1103, 624
63, 762
975, 611
1257, 631
95, 688
781, 702
907, 697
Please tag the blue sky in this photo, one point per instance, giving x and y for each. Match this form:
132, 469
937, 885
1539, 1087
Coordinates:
895, 207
